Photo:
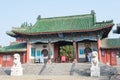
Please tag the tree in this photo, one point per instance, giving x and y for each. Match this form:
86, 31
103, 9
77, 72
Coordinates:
67, 51
26, 24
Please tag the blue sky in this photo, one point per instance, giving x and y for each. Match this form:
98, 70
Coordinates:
14, 12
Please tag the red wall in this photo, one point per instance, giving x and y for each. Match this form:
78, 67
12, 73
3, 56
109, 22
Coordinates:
6, 63
9, 62
113, 58
103, 56
0, 59
109, 57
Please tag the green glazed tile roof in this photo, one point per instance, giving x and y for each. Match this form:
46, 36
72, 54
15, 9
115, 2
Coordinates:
110, 43
11, 33
14, 48
77, 23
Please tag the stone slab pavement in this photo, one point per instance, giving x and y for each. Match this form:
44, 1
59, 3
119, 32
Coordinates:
47, 77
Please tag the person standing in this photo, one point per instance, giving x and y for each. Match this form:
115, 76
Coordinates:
90, 56
42, 58
88, 53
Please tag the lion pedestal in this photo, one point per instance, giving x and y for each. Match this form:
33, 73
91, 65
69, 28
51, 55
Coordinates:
95, 69
17, 69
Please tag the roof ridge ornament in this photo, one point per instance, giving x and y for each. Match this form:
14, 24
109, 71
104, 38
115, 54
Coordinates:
94, 17
118, 24
93, 12
39, 17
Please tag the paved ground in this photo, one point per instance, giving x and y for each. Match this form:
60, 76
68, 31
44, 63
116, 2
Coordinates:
36, 77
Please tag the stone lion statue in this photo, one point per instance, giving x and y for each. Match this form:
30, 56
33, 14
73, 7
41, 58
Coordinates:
16, 69
94, 59
16, 61
95, 69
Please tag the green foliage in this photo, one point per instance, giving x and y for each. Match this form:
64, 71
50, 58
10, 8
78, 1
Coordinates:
67, 51
26, 24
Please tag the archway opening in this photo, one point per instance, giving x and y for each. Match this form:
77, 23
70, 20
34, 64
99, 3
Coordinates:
65, 51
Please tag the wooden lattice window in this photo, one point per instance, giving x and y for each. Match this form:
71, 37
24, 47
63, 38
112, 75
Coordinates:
6, 57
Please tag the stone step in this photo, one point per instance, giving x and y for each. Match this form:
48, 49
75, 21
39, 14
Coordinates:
81, 69
5, 71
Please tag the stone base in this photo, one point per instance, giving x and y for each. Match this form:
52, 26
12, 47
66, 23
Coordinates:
95, 71
16, 71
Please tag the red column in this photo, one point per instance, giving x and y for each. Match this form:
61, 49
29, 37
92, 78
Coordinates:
23, 61
49, 52
0, 60
55, 52
99, 51
74, 49
28, 52
77, 51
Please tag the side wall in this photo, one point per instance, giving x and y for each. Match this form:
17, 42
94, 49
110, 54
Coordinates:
109, 57
6, 59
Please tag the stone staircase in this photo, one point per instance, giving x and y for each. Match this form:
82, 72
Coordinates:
80, 69
57, 69
5, 71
